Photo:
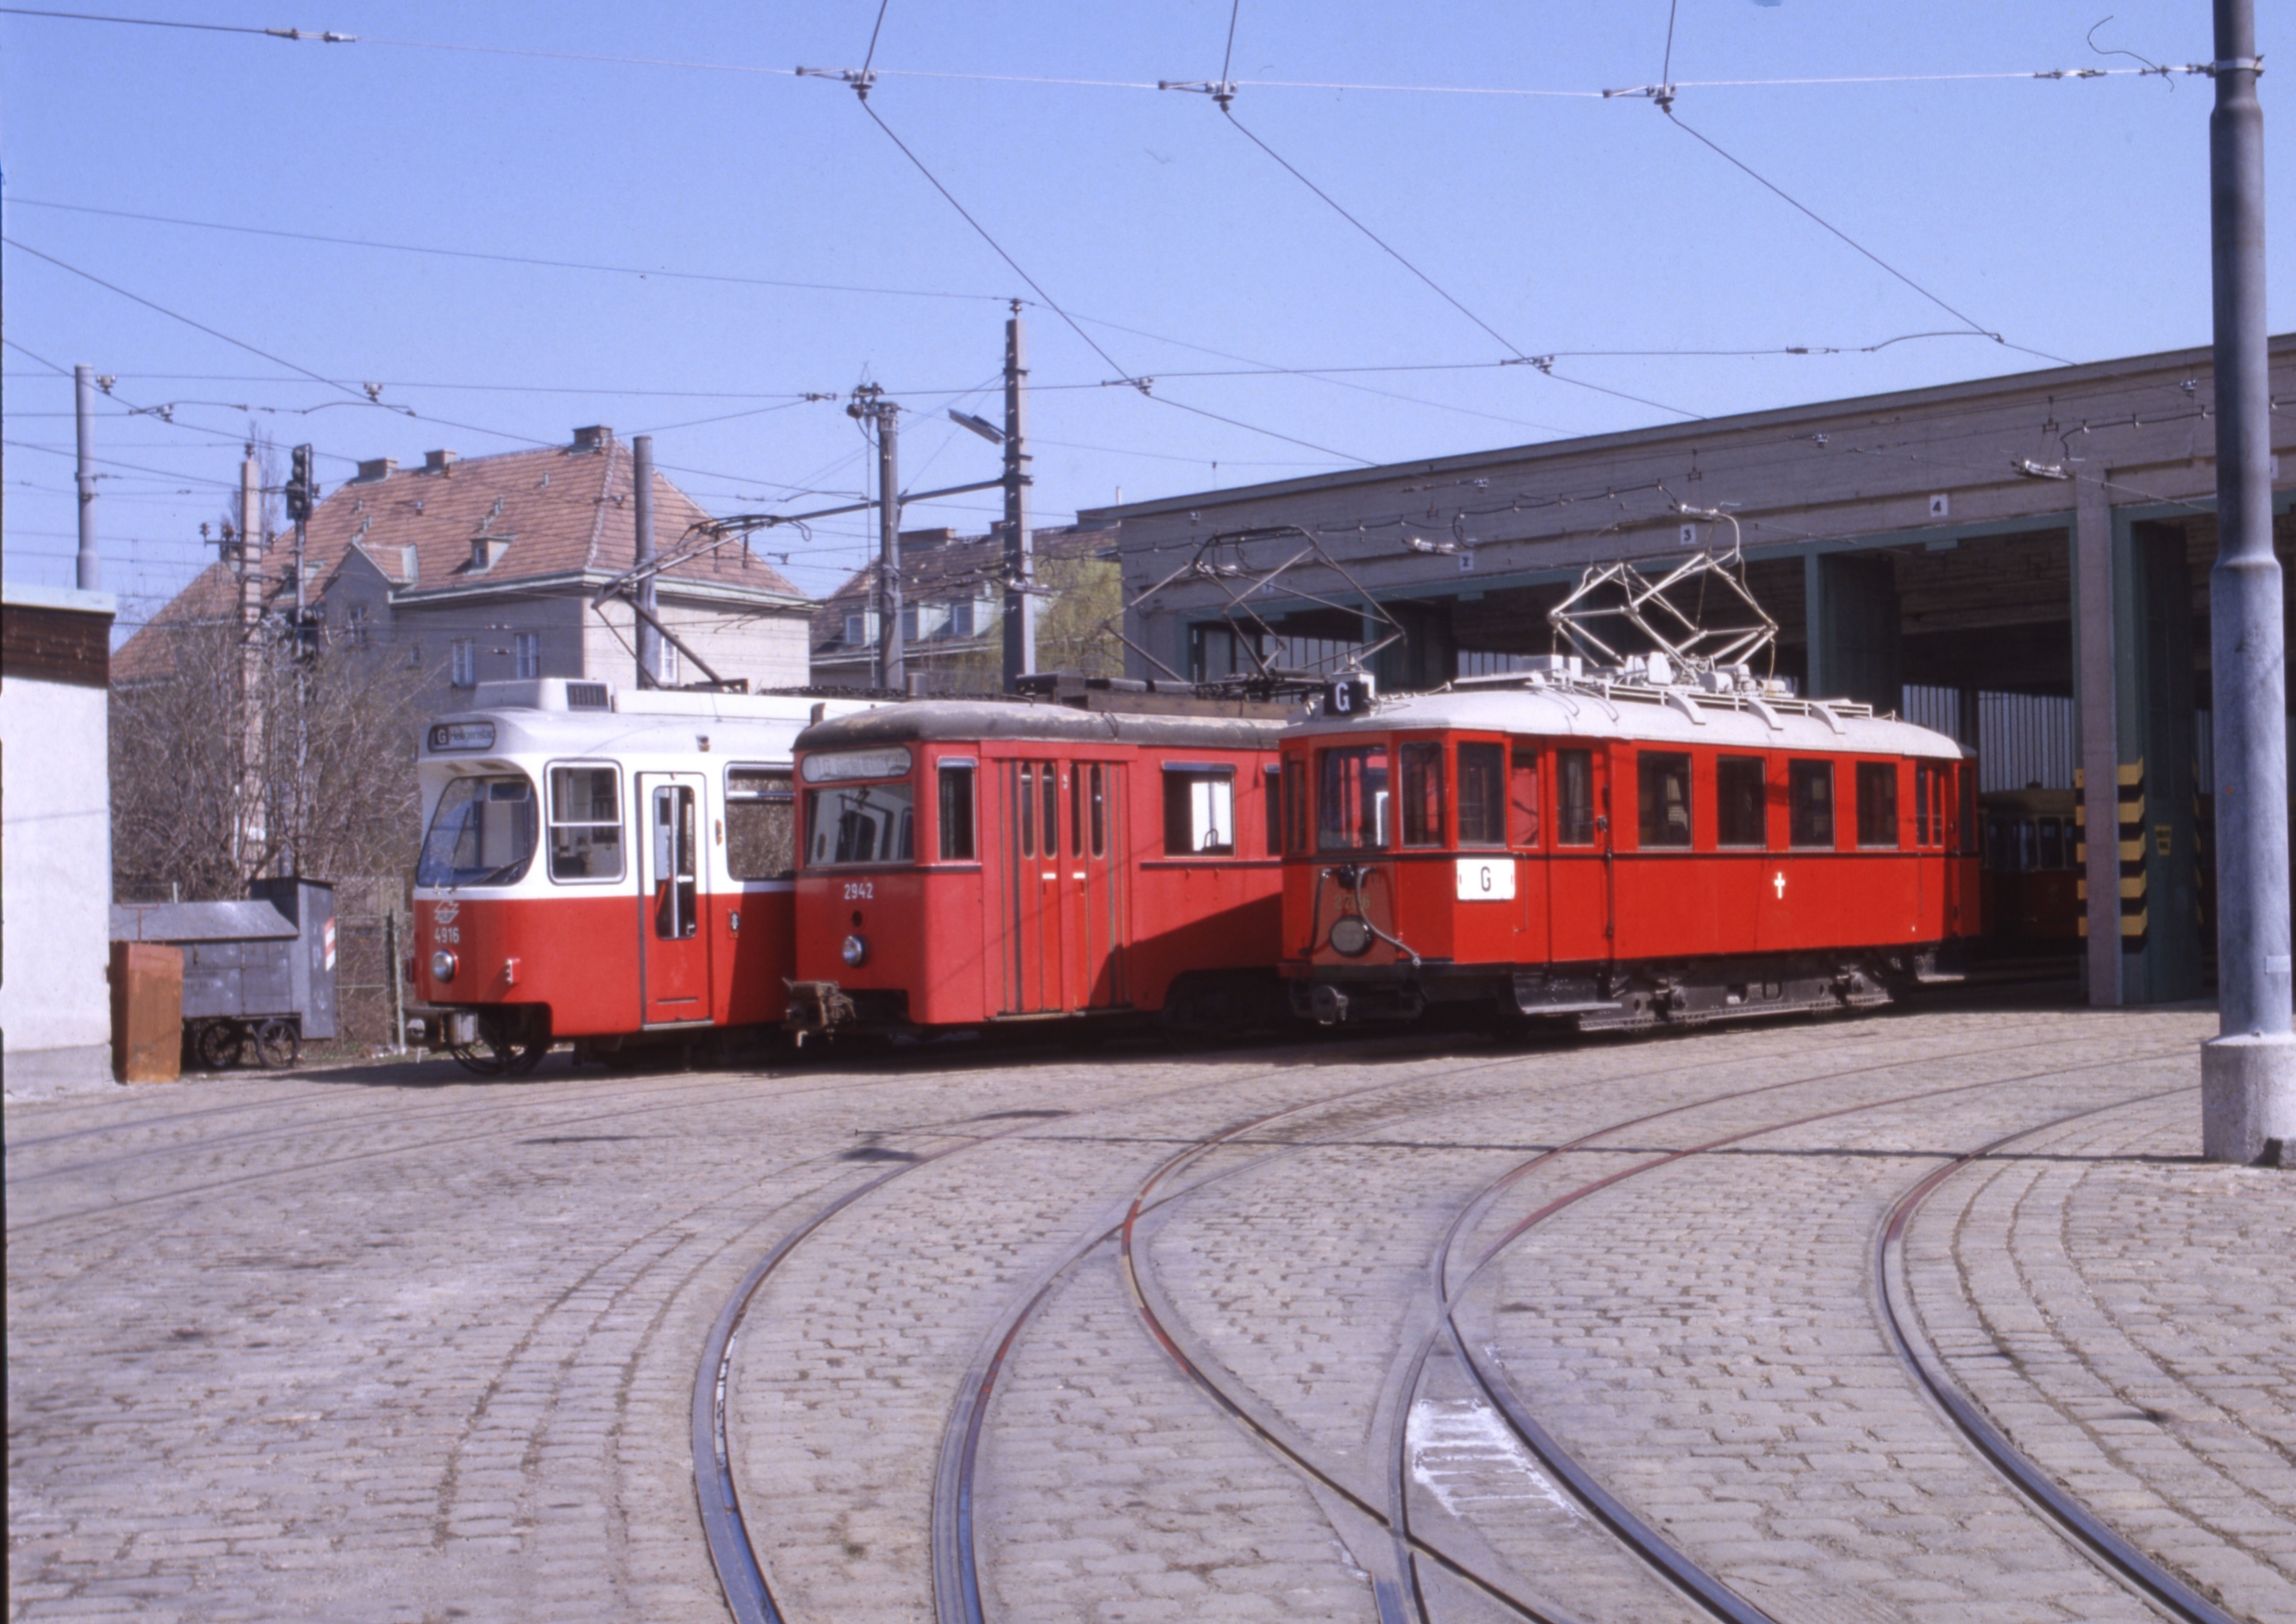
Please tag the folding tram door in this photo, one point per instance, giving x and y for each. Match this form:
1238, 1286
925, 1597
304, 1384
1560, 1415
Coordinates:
672, 946
1063, 888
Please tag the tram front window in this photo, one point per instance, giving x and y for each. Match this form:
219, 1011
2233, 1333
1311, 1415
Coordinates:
861, 823
483, 834
1351, 798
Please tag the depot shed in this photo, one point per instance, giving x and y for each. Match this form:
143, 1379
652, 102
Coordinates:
268, 957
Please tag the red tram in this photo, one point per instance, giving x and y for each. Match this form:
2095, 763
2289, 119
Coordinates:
1619, 850
971, 863
613, 867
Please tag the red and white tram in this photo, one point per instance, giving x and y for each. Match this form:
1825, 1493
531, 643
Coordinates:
970, 863
612, 867
1619, 850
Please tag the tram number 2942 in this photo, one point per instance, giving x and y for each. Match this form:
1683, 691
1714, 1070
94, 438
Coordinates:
860, 891
1486, 880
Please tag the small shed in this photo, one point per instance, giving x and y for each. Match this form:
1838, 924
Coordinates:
270, 957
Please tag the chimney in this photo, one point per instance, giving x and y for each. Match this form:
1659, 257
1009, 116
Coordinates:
438, 462
379, 467
919, 540
593, 438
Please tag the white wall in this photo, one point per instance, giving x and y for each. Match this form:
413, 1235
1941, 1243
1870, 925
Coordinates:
55, 879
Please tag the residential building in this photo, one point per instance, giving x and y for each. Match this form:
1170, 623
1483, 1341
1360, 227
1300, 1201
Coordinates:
485, 567
953, 611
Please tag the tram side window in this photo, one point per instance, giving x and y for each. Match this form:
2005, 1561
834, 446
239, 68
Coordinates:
1482, 795
957, 813
761, 823
1876, 803
1295, 805
2052, 854
675, 887
1523, 796
1810, 802
1096, 799
585, 824
1574, 798
1199, 812
1271, 789
1738, 802
1351, 798
1925, 794
1663, 806
1423, 794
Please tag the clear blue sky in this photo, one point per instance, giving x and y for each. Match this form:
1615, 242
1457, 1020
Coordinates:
2069, 217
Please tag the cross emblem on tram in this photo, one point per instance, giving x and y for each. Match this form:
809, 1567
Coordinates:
1779, 879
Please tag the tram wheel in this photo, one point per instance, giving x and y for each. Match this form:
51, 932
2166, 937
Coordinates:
219, 1045
498, 1054
277, 1044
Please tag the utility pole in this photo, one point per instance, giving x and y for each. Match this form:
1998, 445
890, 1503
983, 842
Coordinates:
252, 828
1019, 558
869, 405
649, 600
83, 404
301, 496
2248, 1072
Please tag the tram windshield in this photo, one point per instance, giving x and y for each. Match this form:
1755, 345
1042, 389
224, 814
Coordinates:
483, 834
861, 823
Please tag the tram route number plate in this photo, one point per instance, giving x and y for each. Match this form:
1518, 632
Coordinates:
1486, 880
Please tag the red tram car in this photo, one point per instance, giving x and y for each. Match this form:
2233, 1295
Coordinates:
976, 863
612, 867
1619, 850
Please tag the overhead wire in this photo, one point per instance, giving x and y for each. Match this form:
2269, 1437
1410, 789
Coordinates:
525, 260
309, 36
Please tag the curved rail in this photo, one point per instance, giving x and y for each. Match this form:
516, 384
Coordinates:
1708, 1591
2154, 1579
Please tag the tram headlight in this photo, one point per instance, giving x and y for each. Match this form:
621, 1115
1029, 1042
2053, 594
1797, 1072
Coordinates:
443, 966
856, 951
1351, 935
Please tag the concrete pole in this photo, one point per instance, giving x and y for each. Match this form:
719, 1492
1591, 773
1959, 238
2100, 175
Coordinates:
1019, 558
84, 402
642, 481
2248, 1072
254, 826
892, 664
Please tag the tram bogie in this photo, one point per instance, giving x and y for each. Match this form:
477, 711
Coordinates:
1616, 852
969, 864
613, 869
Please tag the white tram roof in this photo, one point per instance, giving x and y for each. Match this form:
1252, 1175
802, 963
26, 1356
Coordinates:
566, 716
1639, 713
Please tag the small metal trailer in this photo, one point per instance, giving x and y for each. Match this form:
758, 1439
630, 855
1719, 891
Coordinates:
259, 975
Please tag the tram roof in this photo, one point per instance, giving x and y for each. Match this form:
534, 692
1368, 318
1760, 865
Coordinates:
986, 720
736, 725
1674, 716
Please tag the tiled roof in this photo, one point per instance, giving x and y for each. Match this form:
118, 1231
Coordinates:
551, 512
946, 566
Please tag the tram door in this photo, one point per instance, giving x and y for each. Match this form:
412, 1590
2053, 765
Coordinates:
1579, 870
1035, 961
1095, 922
673, 946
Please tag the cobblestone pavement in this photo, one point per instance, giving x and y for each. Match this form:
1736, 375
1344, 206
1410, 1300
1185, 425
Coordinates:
388, 1344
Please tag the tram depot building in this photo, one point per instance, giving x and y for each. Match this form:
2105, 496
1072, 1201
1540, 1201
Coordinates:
2020, 561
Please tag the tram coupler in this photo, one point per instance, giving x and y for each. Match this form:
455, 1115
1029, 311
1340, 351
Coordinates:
816, 1008
1328, 1003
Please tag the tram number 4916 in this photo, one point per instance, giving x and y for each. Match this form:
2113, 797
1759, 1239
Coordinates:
1486, 880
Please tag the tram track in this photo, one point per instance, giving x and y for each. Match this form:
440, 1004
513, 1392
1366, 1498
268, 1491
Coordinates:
2155, 1579
1694, 1582
957, 1586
